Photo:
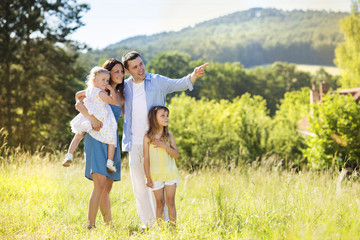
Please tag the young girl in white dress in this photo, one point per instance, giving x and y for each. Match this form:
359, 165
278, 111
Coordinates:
97, 102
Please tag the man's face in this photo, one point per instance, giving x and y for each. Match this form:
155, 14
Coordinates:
136, 69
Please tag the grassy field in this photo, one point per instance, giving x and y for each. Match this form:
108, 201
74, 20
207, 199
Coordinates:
39, 199
313, 68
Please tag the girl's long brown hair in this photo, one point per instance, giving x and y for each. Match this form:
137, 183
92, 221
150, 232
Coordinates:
154, 126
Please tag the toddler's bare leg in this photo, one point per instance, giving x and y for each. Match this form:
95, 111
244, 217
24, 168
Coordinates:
110, 163
111, 151
75, 142
73, 145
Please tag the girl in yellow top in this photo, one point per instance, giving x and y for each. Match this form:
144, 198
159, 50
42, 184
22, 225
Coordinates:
160, 152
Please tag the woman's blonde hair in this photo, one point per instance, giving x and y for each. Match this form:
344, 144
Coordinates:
154, 125
92, 75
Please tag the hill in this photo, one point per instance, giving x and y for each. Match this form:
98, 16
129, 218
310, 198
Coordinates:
253, 37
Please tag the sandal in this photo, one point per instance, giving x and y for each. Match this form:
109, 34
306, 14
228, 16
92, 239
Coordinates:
90, 227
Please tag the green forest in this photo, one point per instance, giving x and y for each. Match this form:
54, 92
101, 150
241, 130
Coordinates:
253, 37
235, 114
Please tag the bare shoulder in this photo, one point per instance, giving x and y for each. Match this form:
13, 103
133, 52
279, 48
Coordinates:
146, 139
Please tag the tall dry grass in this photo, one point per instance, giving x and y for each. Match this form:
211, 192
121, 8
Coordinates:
40, 199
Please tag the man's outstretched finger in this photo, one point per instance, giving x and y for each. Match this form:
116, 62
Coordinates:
204, 65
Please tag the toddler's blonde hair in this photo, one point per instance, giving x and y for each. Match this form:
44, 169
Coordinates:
92, 75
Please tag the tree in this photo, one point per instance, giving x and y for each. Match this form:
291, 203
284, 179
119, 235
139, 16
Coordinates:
348, 52
210, 132
336, 126
322, 76
170, 64
36, 65
273, 82
285, 139
223, 81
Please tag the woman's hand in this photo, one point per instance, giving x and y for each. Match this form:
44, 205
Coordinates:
149, 182
96, 124
79, 105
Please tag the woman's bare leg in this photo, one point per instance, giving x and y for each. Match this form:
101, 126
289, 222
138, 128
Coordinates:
94, 202
105, 206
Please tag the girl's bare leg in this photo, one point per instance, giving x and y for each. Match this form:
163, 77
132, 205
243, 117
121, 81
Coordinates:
111, 151
75, 142
73, 145
160, 202
110, 163
170, 202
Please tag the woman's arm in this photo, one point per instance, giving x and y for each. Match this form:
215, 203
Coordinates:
95, 123
149, 182
80, 95
172, 149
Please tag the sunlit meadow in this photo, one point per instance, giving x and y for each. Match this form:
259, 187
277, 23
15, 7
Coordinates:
40, 199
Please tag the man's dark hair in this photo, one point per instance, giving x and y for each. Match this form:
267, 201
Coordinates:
131, 55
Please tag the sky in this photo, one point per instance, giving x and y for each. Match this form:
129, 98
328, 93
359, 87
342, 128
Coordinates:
110, 21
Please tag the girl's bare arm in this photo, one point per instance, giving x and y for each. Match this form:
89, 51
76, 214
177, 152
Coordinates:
149, 182
111, 99
172, 149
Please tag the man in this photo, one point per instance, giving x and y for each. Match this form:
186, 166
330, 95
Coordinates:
143, 91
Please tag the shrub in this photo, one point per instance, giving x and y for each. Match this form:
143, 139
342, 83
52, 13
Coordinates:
219, 132
336, 125
285, 139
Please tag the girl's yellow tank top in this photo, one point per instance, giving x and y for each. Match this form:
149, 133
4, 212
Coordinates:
162, 165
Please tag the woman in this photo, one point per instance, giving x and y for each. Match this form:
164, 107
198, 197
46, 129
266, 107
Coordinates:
96, 152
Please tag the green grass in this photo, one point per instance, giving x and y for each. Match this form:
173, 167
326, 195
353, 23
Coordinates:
40, 199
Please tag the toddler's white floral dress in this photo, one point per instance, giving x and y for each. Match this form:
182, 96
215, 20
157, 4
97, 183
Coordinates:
102, 111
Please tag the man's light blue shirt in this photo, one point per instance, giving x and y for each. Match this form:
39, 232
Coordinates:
156, 89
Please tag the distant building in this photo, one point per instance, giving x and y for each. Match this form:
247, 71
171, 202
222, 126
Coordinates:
316, 95
355, 92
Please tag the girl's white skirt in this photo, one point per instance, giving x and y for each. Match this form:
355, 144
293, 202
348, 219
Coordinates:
80, 124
